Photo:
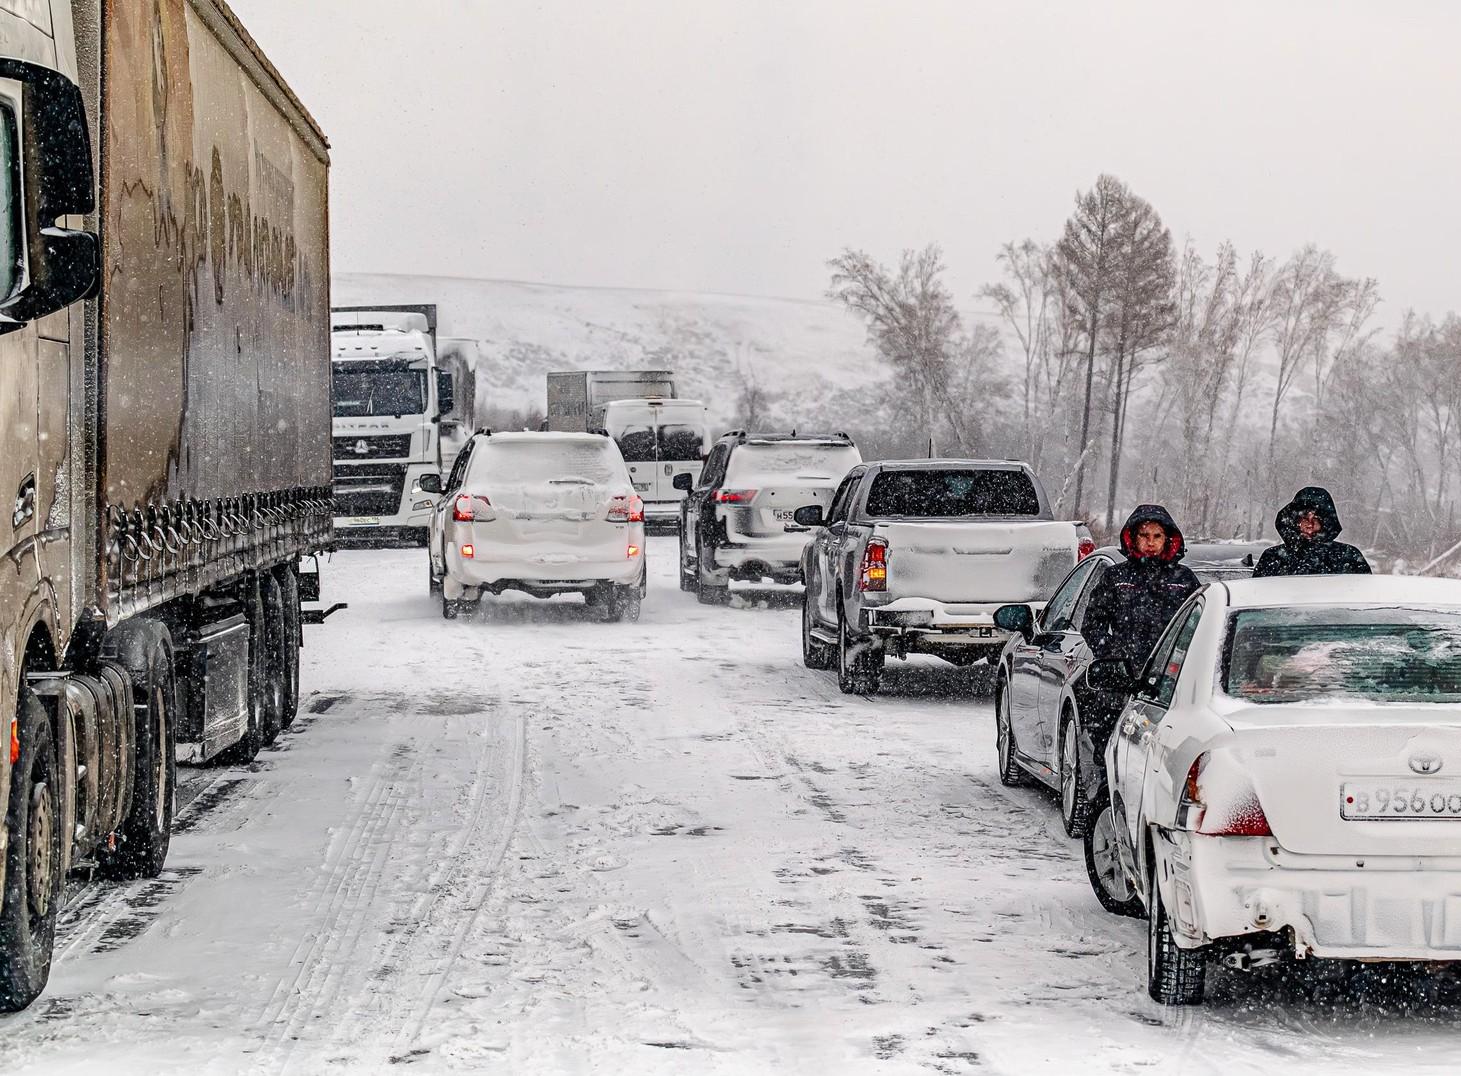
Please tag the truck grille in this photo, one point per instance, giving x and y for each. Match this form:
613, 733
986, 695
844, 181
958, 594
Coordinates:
369, 489
391, 447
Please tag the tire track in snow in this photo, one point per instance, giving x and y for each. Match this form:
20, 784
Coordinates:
459, 911
355, 863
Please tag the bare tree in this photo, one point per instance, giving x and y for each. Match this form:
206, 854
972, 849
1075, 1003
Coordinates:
1024, 300
1084, 260
1140, 315
910, 318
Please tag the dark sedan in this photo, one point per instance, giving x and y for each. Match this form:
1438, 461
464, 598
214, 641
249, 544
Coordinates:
1050, 724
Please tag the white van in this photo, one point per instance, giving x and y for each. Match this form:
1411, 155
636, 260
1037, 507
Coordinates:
660, 438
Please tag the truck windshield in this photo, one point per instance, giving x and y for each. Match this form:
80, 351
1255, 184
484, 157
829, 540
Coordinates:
1313, 654
929, 493
378, 392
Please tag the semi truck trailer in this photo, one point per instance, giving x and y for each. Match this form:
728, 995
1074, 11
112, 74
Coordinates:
164, 382
390, 397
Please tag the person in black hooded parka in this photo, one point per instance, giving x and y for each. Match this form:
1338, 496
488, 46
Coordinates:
1308, 525
1134, 601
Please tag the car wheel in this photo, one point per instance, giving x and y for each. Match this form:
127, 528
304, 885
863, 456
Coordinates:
857, 674
815, 655
1174, 976
1103, 862
623, 603
449, 609
687, 573
1010, 774
1075, 808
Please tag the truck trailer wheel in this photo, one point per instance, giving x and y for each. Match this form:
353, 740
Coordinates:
147, 830
275, 657
33, 881
253, 739
293, 640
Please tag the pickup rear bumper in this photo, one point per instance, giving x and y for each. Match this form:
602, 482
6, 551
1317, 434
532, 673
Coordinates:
953, 621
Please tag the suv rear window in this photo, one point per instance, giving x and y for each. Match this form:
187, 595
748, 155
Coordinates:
929, 493
595, 460
757, 465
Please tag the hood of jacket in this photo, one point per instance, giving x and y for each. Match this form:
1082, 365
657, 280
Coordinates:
1314, 499
1172, 552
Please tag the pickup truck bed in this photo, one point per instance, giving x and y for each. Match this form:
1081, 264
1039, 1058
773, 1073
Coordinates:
883, 582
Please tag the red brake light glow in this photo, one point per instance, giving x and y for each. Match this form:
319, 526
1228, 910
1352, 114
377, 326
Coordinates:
734, 496
1239, 814
633, 552
1087, 547
468, 552
628, 509
874, 574
472, 508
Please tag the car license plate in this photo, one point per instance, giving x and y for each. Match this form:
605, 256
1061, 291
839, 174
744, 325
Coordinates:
359, 521
785, 515
1380, 800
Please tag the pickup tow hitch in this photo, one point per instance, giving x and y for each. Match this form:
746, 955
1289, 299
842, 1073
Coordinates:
1249, 959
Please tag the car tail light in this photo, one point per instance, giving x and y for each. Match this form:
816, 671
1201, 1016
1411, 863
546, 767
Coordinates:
734, 496
1087, 547
633, 552
874, 574
628, 509
468, 551
472, 508
1232, 812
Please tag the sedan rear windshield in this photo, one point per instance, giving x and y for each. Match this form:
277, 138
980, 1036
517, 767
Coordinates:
1314, 654
929, 493
595, 460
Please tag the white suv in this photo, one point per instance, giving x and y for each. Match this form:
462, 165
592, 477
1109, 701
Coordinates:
543, 513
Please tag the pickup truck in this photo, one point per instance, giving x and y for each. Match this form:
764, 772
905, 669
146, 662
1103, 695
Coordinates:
915, 556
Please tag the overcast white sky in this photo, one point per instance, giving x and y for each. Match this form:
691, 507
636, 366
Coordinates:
735, 145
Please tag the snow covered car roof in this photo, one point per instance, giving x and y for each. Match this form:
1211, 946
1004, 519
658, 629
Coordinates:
1342, 590
546, 437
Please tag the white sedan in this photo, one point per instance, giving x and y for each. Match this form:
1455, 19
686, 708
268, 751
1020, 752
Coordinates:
541, 513
1286, 777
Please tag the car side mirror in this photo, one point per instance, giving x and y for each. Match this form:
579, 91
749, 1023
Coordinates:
429, 483
810, 516
1110, 674
1016, 619
44, 268
684, 481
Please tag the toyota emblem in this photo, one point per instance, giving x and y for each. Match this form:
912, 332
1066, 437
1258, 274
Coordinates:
362, 447
1425, 765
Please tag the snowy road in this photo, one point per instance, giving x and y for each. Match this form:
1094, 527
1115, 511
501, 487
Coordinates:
532, 842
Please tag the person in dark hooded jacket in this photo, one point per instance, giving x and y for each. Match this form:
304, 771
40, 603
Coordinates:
1308, 525
1134, 601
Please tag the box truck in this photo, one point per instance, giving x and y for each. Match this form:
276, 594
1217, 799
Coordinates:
390, 397
165, 378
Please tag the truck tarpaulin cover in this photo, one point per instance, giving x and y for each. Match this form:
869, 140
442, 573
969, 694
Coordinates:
216, 278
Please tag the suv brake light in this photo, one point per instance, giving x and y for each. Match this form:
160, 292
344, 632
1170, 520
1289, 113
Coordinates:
628, 509
874, 573
1239, 814
1087, 547
734, 496
470, 508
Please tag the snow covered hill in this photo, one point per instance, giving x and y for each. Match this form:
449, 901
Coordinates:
804, 355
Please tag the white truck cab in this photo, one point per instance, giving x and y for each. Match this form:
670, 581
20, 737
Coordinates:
389, 395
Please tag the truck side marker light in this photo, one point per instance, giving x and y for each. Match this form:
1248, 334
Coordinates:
14, 740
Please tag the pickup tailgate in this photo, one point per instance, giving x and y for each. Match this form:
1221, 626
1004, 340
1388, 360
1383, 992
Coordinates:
983, 562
